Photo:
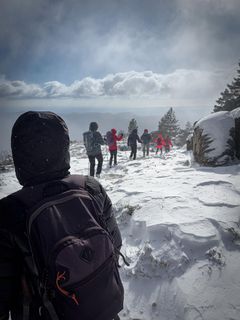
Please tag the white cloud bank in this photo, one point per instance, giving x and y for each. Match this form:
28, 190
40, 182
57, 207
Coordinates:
187, 84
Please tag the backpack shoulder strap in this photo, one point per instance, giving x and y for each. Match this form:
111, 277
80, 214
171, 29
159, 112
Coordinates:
30, 196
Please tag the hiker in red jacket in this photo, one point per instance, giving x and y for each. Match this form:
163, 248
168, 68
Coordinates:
168, 143
112, 139
159, 143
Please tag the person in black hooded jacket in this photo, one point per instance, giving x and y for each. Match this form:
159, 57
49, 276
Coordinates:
133, 138
40, 149
95, 152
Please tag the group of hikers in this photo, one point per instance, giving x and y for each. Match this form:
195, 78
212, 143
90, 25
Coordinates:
59, 239
93, 140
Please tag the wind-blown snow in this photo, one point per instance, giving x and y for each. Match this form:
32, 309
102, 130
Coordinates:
180, 229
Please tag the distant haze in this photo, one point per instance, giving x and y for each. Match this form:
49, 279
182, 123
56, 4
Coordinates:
78, 120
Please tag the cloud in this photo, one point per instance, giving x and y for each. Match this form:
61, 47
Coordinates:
207, 34
182, 84
63, 41
54, 89
19, 89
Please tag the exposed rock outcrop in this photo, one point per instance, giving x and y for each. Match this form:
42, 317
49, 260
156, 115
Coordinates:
236, 115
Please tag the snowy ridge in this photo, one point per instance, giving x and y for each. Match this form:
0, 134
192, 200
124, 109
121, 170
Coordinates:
180, 230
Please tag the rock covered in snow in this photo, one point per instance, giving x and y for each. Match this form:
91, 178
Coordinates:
236, 115
213, 139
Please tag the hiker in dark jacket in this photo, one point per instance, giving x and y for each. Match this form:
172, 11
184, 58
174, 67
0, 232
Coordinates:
133, 138
95, 152
40, 150
146, 139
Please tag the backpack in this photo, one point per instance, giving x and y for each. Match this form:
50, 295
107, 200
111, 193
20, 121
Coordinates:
159, 141
72, 251
88, 140
109, 138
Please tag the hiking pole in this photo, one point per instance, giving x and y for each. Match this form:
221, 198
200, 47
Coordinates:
106, 151
88, 168
106, 154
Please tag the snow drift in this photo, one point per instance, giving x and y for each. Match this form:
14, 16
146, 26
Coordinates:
181, 236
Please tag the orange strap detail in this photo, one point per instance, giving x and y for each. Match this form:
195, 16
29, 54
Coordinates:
60, 276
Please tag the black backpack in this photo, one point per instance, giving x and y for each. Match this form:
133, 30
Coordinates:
72, 251
159, 141
88, 140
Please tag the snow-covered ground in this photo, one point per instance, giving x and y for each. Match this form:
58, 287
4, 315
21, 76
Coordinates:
180, 225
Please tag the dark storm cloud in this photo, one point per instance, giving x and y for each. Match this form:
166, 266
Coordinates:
57, 40
71, 48
88, 37
210, 30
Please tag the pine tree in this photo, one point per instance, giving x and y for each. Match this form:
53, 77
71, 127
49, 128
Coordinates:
230, 97
188, 127
132, 125
168, 125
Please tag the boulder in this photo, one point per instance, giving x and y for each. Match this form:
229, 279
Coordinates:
214, 139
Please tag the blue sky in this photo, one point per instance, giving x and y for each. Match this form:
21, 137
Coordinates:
117, 52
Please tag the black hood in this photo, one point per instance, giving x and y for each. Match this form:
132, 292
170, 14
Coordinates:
93, 126
40, 147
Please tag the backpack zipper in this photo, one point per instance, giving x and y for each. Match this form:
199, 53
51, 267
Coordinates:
93, 274
73, 239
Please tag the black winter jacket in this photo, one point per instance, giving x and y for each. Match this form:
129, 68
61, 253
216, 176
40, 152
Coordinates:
13, 246
146, 138
40, 148
133, 138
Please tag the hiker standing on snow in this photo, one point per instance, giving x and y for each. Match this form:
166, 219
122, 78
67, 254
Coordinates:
146, 138
168, 143
47, 245
93, 141
133, 138
112, 139
160, 143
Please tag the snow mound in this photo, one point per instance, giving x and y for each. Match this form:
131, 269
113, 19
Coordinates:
213, 139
